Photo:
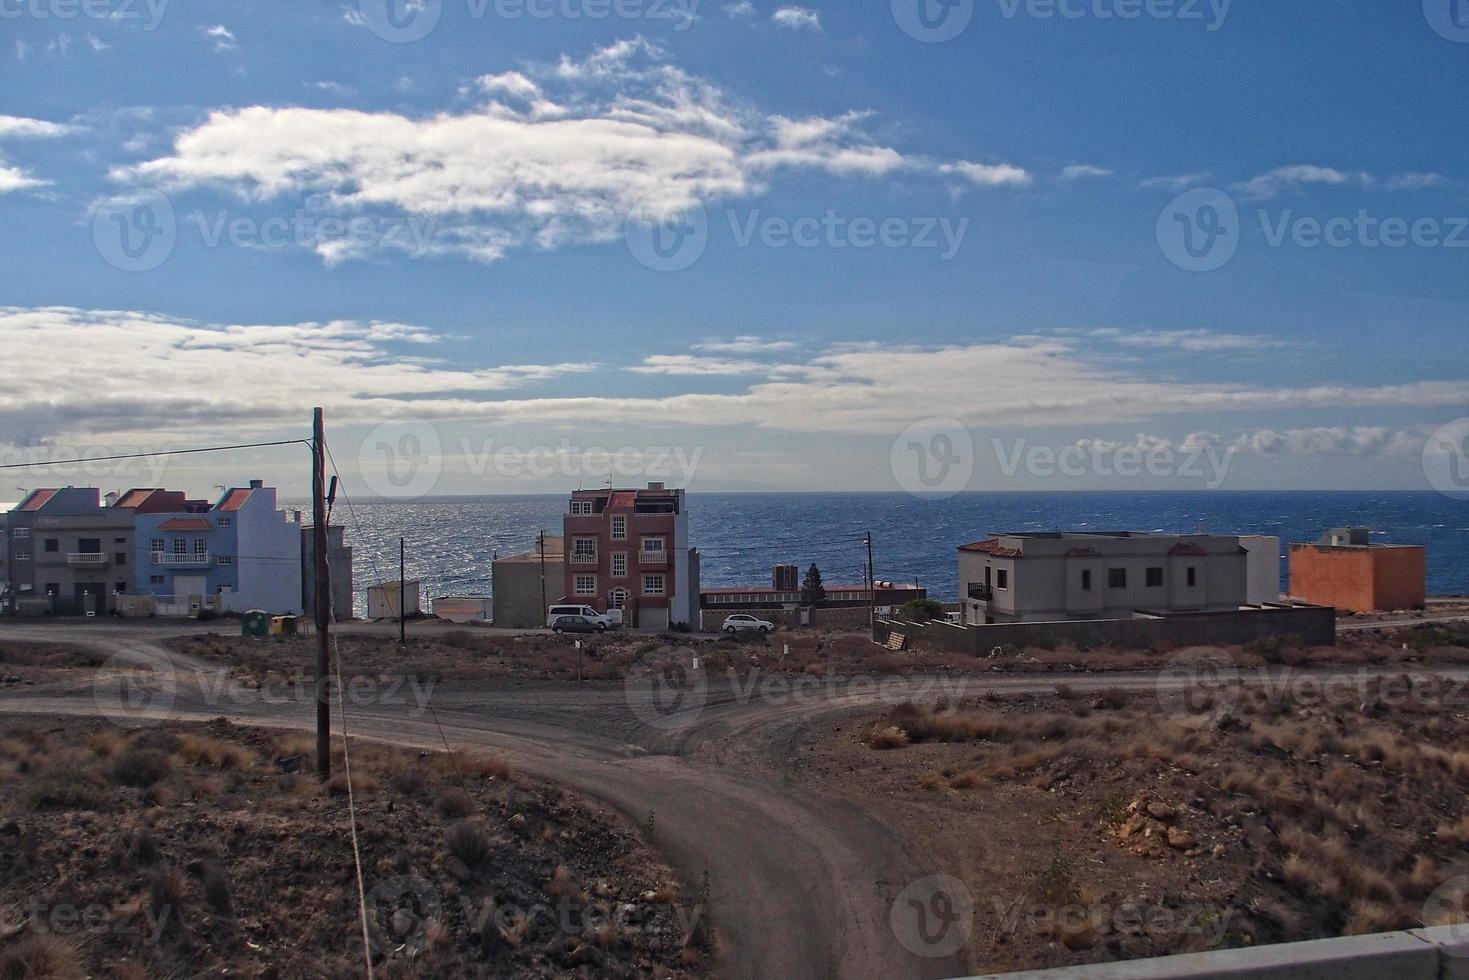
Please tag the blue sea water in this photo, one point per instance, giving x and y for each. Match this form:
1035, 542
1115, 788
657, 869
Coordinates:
452, 540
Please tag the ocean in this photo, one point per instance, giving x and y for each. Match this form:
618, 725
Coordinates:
451, 541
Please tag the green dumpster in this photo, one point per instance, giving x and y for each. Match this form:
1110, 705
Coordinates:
255, 622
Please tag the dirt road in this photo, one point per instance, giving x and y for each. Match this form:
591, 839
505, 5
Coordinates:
802, 885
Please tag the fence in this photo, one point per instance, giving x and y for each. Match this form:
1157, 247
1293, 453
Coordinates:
1313, 625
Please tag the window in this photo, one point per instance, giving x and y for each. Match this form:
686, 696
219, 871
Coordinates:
225, 521
119, 587
617, 599
1154, 578
89, 546
619, 527
122, 557
201, 547
583, 548
652, 585
581, 506
119, 540
22, 556
21, 532
1086, 580
653, 544
1002, 578
53, 545
619, 564
1193, 576
1116, 578
180, 546
155, 579
156, 547
586, 585
225, 561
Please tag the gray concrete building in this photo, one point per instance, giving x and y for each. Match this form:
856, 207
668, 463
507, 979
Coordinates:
339, 568
1034, 577
69, 550
516, 585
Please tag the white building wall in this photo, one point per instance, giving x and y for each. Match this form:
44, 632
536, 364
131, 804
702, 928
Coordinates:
269, 558
1263, 567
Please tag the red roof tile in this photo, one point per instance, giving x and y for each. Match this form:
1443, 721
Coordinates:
185, 524
234, 500
37, 500
993, 547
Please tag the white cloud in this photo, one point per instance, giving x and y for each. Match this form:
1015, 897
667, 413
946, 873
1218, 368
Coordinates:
988, 175
223, 37
744, 344
693, 365
735, 11
1321, 441
1283, 179
144, 374
1175, 183
1081, 171
333, 88
796, 19
1193, 341
13, 179
20, 127
1415, 182
555, 154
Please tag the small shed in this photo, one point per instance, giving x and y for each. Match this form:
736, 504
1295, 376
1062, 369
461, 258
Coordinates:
383, 600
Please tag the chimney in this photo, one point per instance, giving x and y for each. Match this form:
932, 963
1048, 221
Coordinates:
110, 500
257, 484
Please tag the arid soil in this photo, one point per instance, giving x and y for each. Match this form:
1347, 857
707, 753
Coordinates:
1111, 826
193, 850
23, 662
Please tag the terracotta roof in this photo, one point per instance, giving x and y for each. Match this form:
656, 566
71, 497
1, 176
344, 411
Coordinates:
134, 498
185, 524
234, 500
622, 499
1186, 548
992, 546
37, 500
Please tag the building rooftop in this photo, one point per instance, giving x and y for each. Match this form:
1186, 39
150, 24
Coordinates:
555, 551
37, 499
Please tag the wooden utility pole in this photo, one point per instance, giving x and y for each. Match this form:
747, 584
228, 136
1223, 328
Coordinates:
871, 586
541, 543
323, 597
402, 592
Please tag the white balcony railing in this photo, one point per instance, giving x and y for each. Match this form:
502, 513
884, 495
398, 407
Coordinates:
86, 559
652, 558
180, 561
583, 558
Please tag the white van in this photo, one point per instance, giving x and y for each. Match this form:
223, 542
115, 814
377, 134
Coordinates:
610, 618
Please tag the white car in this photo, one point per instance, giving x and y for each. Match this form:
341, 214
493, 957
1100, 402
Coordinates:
742, 621
609, 619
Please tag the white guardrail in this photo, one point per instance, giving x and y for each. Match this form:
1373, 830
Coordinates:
1439, 953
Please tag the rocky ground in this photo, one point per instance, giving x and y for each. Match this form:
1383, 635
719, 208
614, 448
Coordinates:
191, 850
1115, 826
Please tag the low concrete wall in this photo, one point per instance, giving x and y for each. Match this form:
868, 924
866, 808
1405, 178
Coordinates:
1440, 953
712, 617
1314, 625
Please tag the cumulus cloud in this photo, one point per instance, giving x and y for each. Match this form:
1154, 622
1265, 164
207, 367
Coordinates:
13, 179
744, 344
796, 19
694, 365
21, 127
1283, 179
551, 155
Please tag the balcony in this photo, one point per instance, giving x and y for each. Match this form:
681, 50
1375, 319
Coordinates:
87, 559
652, 558
983, 593
582, 558
181, 561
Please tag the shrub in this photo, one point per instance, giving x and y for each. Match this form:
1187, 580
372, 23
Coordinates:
920, 610
471, 845
65, 791
887, 737
455, 804
40, 956
140, 768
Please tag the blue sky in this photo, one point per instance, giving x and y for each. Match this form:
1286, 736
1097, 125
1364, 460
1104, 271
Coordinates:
882, 257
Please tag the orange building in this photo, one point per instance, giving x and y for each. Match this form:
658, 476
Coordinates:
1344, 570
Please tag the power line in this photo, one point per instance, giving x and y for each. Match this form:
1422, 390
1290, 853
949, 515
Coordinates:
163, 452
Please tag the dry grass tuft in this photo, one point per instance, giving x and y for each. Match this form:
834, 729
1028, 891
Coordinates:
41, 956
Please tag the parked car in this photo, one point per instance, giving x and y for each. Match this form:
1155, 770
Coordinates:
609, 619
577, 624
743, 621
